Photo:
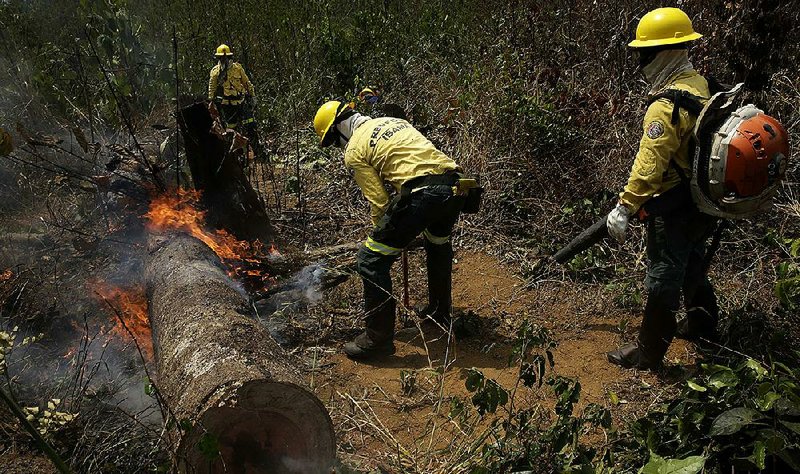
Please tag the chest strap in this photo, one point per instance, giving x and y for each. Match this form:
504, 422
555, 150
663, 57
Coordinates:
680, 99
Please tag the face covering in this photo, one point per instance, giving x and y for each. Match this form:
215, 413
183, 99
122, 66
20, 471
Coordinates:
666, 65
347, 126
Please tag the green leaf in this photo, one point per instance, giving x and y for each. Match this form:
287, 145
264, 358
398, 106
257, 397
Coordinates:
612, 396
795, 248
756, 367
695, 386
733, 420
474, 380
784, 367
723, 378
792, 426
185, 425
765, 402
759, 455
659, 465
785, 407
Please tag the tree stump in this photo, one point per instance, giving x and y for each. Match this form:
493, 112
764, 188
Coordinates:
220, 370
231, 201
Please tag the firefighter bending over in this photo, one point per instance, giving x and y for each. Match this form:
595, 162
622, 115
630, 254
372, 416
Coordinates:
429, 200
234, 95
676, 237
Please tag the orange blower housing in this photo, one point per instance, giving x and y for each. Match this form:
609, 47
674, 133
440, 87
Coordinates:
741, 161
756, 153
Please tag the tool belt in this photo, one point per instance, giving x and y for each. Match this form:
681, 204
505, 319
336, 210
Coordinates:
230, 100
467, 187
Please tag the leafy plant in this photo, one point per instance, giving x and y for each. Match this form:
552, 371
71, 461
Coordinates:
741, 417
526, 439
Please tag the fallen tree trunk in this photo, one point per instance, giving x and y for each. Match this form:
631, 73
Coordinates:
219, 369
231, 201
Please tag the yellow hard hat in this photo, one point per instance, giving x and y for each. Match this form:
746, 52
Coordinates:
223, 50
664, 26
327, 116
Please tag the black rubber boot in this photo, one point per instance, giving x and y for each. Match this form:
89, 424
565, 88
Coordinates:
425, 312
364, 348
439, 263
630, 356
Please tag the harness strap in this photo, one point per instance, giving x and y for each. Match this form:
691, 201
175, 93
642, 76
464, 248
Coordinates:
680, 99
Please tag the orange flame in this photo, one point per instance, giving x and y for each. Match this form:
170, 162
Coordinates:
180, 212
129, 311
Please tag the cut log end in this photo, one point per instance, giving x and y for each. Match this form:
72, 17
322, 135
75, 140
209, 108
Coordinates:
267, 427
219, 370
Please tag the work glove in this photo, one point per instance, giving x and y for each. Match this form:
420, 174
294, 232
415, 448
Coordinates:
617, 222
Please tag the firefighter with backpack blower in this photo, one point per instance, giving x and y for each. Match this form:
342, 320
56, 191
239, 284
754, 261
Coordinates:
690, 170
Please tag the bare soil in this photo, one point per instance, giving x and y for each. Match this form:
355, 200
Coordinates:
379, 415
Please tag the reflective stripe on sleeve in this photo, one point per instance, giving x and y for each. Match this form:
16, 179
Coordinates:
381, 248
434, 239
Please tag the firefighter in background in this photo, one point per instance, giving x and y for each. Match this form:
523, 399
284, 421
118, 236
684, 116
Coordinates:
6, 144
428, 201
372, 99
234, 95
675, 239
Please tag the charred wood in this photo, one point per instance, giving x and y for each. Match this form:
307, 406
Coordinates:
213, 158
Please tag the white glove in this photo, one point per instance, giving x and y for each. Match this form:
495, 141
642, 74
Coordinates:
617, 222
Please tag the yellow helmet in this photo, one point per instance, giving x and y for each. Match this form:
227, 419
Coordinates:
329, 114
664, 26
223, 50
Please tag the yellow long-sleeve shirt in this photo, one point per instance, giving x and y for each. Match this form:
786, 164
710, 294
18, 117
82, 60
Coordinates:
391, 150
662, 142
236, 84
6, 144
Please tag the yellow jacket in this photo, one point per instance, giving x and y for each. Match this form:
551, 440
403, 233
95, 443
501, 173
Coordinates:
391, 150
6, 145
661, 143
236, 84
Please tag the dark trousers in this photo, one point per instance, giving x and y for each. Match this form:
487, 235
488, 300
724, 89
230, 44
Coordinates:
432, 211
240, 118
676, 250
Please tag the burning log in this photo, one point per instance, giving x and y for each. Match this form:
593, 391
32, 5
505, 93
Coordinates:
220, 369
231, 201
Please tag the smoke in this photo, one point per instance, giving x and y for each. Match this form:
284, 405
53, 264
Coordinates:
289, 301
309, 280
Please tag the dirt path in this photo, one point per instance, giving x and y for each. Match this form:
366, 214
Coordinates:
400, 404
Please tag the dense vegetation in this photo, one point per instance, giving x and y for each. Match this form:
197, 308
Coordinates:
542, 101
